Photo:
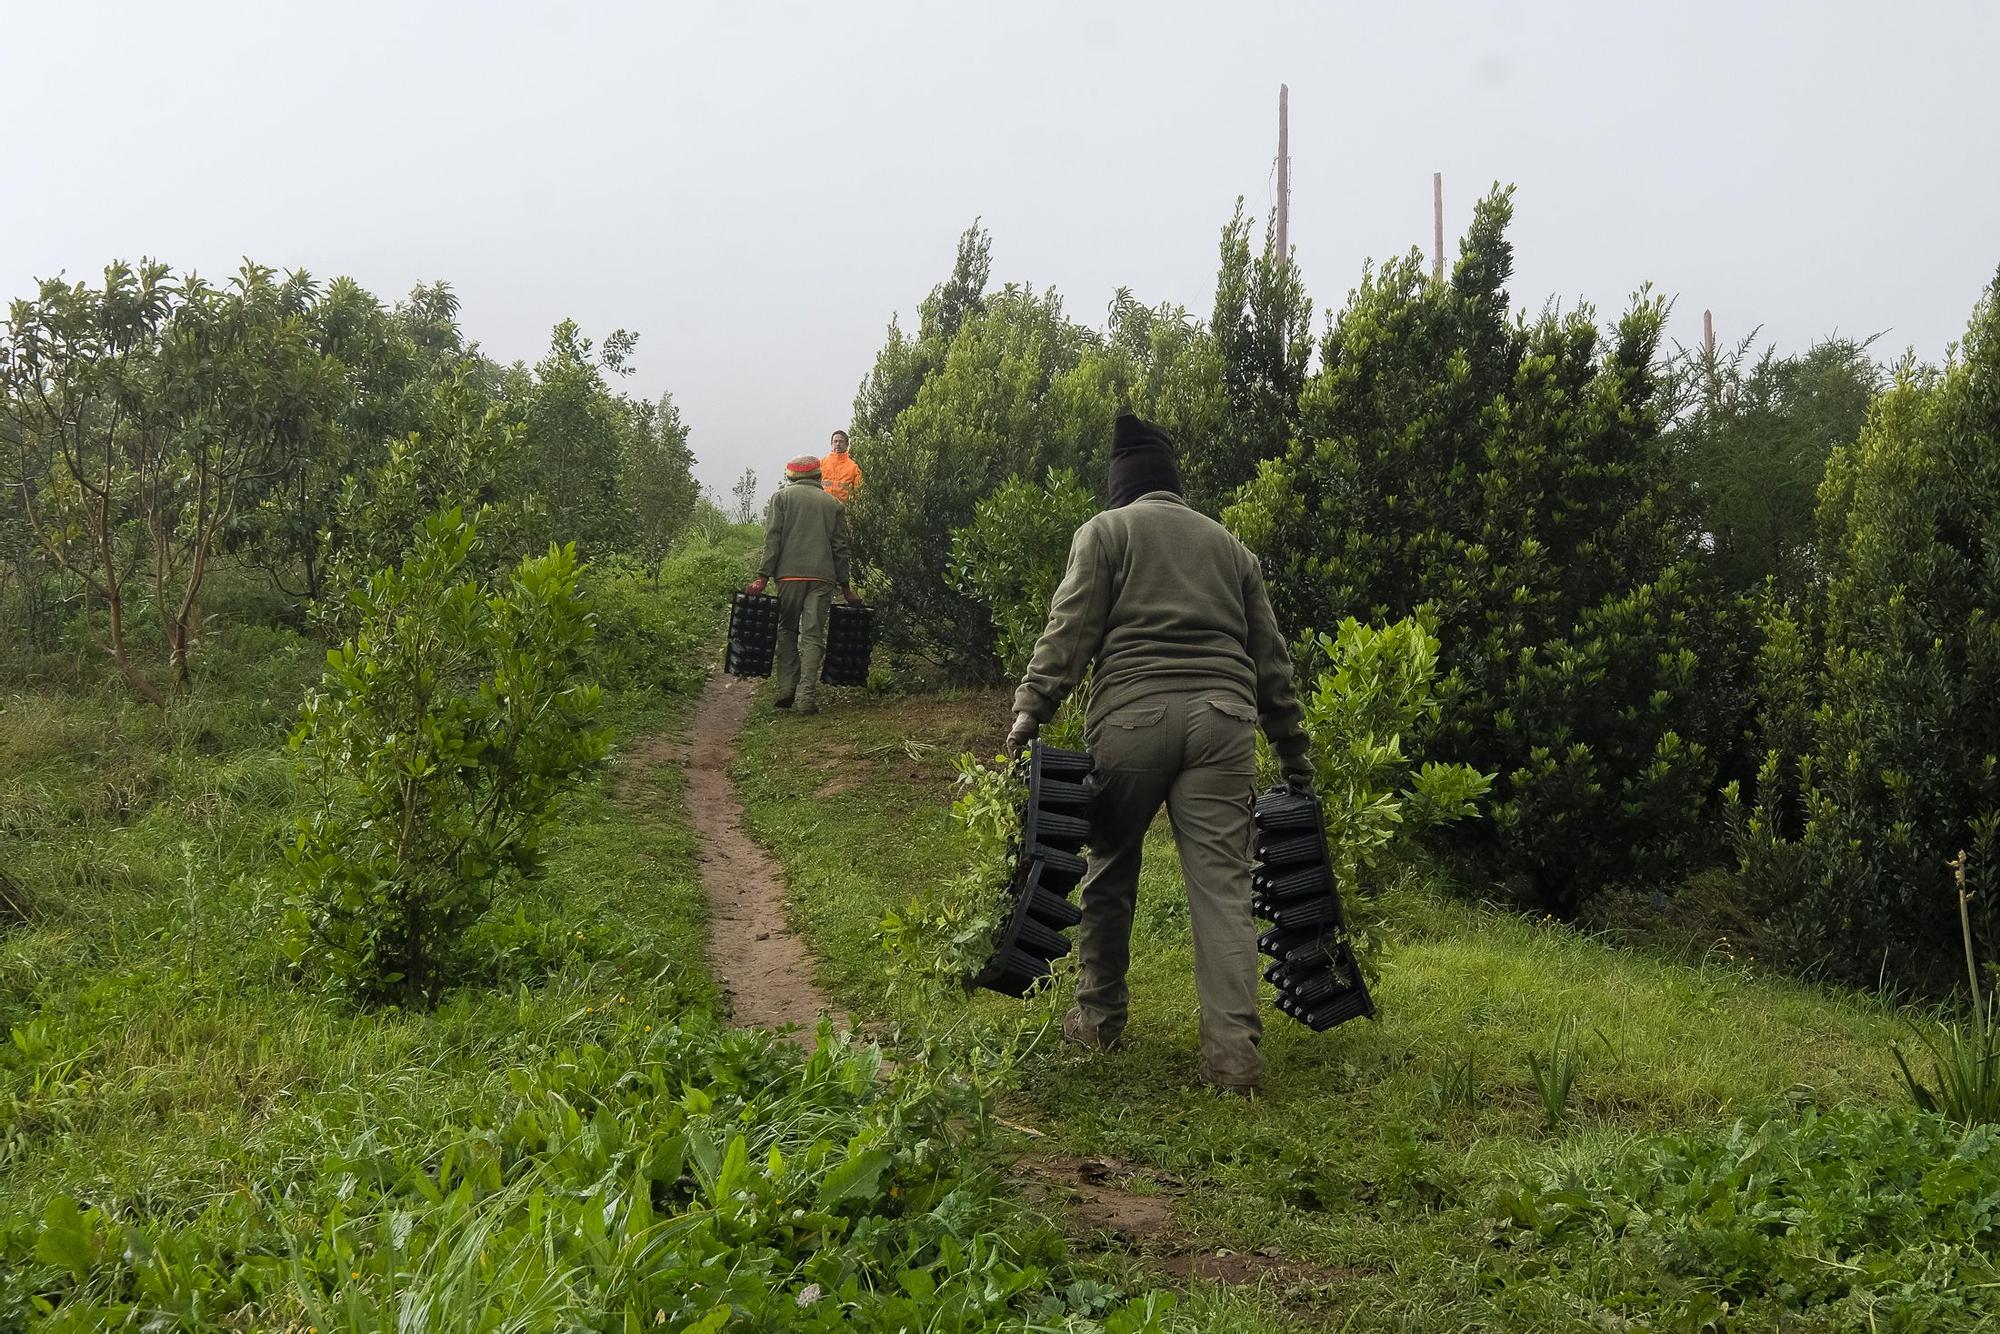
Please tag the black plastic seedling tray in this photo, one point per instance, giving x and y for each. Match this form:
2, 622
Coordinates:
1055, 823
753, 635
850, 646
1313, 968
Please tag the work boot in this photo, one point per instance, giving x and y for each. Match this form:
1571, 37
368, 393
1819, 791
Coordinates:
782, 702
1235, 1088
1079, 1030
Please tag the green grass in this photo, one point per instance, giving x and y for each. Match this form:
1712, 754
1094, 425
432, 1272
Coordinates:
1379, 1149
190, 1139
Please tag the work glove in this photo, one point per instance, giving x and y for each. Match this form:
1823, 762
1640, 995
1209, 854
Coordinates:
1299, 777
1025, 729
756, 586
853, 598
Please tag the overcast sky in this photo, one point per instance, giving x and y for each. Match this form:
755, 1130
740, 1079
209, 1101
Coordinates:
756, 188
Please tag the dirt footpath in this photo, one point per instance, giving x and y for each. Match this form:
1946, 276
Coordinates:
761, 965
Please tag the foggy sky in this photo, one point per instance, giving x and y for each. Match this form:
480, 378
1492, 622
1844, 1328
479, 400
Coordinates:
756, 188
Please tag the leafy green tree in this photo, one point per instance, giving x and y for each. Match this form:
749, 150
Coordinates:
465, 455
656, 484
574, 438
744, 493
146, 415
1021, 390
1506, 481
1261, 331
1012, 556
1882, 694
1753, 439
383, 377
904, 362
437, 743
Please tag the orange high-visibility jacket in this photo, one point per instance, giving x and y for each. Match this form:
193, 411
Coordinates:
841, 476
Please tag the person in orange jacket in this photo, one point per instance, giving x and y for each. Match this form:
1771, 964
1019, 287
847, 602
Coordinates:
839, 473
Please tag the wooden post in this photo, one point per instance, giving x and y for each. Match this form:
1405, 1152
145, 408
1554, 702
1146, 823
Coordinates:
1437, 225
1284, 175
1708, 334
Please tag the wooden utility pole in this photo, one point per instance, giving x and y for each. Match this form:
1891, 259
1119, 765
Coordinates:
1284, 174
1437, 225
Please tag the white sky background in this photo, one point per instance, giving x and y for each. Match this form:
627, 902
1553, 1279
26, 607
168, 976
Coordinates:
756, 188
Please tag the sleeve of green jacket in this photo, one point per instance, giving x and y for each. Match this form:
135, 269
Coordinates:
841, 549
774, 539
1077, 618
1277, 697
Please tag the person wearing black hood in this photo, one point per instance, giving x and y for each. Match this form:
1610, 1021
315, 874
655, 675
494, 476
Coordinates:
1171, 611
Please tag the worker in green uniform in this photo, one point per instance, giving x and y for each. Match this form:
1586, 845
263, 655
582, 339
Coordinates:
1171, 611
805, 551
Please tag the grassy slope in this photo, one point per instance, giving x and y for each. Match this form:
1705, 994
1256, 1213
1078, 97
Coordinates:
152, 962
1356, 1157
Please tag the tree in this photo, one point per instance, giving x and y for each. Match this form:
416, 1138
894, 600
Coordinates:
1020, 390
1754, 443
1012, 556
1882, 694
656, 484
1261, 329
904, 363
744, 492
146, 416
1505, 482
437, 743
574, 437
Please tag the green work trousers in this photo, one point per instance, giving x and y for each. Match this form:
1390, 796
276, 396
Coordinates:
804, 607
1196, 753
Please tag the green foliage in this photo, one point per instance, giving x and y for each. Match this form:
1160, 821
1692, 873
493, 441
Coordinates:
656, 482
1753, 443
1555, 1075
997, 387
943, 936
1012, 556
576, 439
1856, 1219
653, 630
443, 731
1506, 480
1368, 691
1883, 693
719, 1180
1261, 334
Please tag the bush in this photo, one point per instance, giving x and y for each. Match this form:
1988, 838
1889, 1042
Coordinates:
437, 742
1012, 556
1372, 689
1882, 696
1852, 1220
653, 629
1506, 481
716, 1181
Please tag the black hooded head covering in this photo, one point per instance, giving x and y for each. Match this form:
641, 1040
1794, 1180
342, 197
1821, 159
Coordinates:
1142, 461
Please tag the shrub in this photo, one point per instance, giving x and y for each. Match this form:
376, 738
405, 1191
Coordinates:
1370, 690
1506, 480
1857, 1219
653, 629
945, 935
717, 1180
1882, 695
437, 741
1012, 556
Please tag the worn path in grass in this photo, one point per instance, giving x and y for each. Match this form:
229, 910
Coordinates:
762, 966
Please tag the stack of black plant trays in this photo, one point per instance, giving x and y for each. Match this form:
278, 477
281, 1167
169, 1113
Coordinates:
1312, 962
850, 644
753, 635
1055, 824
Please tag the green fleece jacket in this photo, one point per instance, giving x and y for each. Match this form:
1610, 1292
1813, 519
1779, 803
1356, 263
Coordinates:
805, 534
1162, 598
